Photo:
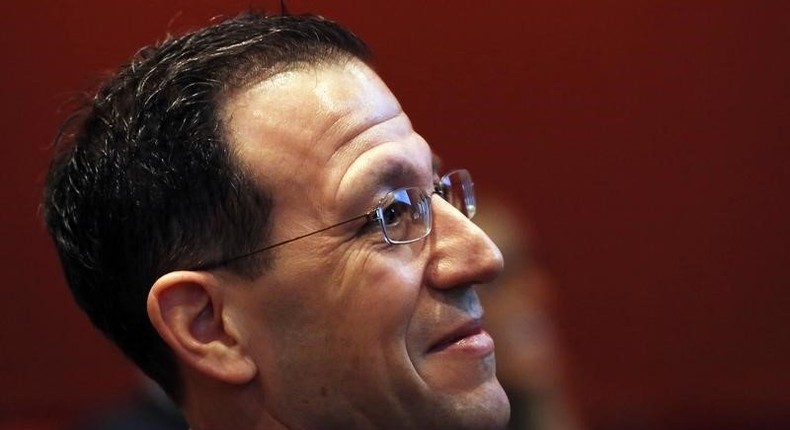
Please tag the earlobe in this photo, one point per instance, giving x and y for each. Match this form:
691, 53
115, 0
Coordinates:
186, 308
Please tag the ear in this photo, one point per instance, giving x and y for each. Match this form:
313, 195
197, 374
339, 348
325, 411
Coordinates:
186, 309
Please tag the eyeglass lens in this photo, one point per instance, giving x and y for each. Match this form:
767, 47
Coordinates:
458, 189
405, 213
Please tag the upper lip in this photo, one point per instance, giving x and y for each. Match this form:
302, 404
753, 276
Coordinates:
462, 330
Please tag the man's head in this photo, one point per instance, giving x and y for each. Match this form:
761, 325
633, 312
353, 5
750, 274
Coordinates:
250, 133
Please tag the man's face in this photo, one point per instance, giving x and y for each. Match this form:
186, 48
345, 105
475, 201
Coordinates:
346, 330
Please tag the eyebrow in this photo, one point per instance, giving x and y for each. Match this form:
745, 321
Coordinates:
394, 173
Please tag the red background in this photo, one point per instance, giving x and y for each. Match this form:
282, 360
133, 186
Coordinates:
645, 141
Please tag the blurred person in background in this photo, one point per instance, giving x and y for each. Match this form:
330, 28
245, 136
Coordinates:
519, 314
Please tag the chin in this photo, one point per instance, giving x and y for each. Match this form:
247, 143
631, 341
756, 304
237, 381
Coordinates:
485, 408
494, 408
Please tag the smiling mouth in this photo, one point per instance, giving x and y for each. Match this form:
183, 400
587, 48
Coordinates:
468, 339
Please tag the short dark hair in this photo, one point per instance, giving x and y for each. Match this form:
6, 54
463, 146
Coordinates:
143, 180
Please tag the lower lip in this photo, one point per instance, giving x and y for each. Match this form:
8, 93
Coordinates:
479, 344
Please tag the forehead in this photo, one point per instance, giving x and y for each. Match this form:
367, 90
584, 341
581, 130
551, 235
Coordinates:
318, 125
313, 103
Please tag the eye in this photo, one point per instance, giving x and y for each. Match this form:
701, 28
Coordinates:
393, 214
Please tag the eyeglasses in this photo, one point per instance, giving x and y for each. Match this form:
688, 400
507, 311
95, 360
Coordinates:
404, 214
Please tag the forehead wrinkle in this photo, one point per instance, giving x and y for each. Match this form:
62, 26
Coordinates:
353, 111
405, 165
355, 139
394, 130
353, 134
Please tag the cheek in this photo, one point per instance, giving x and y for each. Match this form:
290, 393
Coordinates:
373, 305
377, 293
361, 308
344, 336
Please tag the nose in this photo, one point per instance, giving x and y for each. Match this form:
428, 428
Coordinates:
461, 253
